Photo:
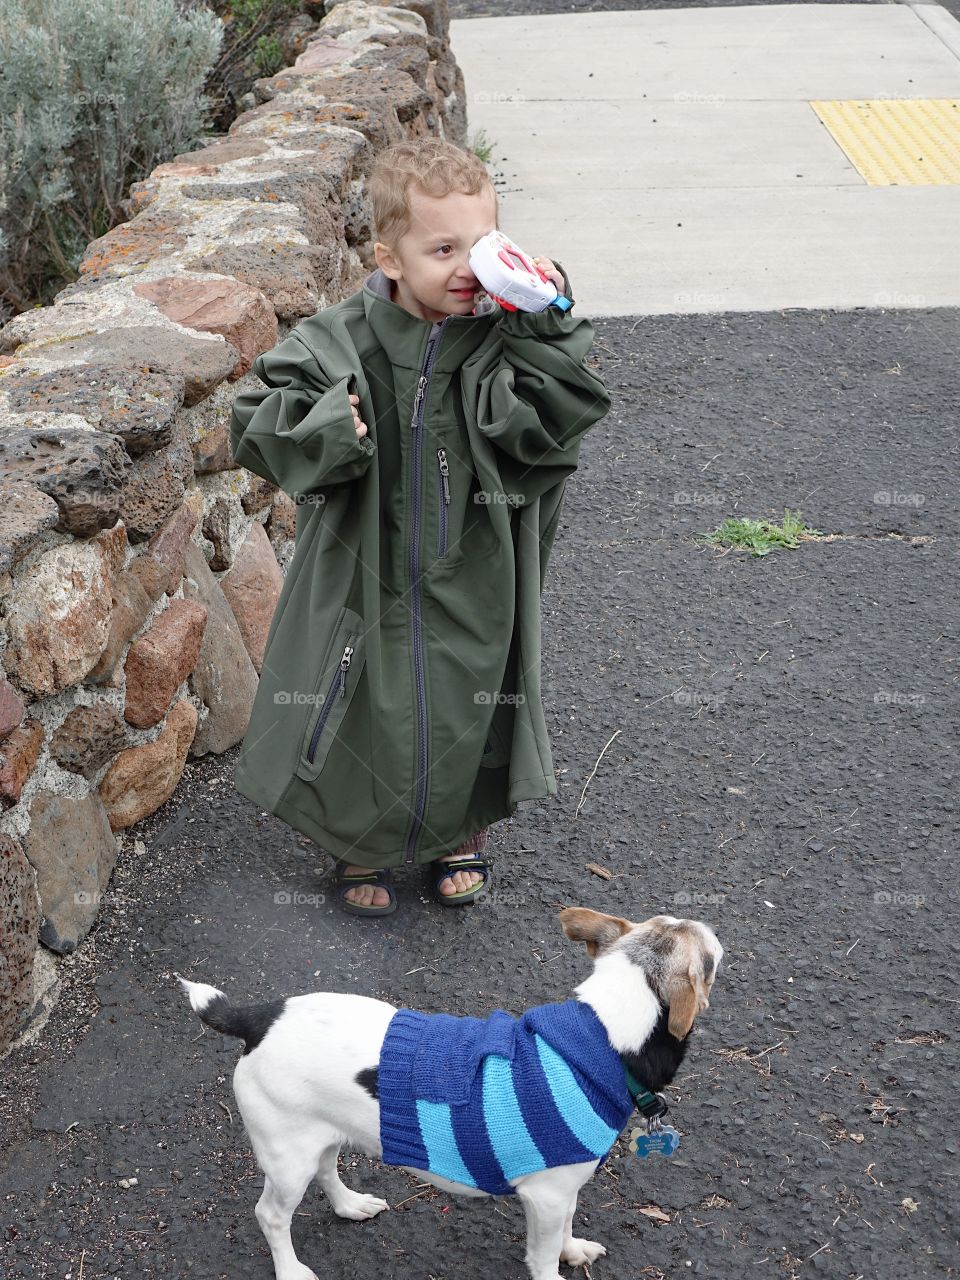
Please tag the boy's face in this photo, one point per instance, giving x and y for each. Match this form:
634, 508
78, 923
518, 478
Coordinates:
429, 264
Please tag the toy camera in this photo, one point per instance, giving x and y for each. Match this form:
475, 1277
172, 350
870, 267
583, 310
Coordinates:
510, 278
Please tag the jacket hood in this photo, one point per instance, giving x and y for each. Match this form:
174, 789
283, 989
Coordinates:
404, 336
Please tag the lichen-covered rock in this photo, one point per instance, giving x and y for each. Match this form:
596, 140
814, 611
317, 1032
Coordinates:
216, 530
353, 21
58, 618
73, 851
282, 522
142, 778
299, 181
202, 360
137, 407
224, 678
161, 659
88, 738
19, 920
258, 495
132, 245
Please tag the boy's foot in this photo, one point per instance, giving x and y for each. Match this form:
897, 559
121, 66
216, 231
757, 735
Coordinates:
463, 880
460, 880
364, 895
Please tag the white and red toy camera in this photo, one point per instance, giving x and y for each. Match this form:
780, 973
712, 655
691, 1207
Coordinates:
510, 278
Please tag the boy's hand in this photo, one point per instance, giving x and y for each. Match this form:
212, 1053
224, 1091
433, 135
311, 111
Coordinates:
360, 425
550, 271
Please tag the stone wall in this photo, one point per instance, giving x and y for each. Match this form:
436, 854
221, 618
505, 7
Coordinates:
139, 568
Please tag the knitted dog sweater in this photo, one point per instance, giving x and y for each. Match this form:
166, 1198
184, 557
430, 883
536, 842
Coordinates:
484, 1100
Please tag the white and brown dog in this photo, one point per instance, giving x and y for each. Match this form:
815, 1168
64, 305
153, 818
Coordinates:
320, 1071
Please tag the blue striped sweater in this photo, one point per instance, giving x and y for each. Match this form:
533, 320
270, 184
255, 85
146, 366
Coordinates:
484, 1100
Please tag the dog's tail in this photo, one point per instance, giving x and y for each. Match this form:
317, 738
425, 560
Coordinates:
212, 1007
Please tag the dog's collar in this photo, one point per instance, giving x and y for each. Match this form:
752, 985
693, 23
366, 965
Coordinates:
650, 1105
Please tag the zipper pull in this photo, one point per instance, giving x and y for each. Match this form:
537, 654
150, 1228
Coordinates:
421, 386
344, 667
444, 473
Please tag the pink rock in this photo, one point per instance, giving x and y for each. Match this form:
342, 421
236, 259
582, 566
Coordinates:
161, 659
19, 754
252, 588
322, 52
225, 306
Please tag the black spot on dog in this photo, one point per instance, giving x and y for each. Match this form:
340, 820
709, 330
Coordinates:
250, 1023
659, 1060
368, 1079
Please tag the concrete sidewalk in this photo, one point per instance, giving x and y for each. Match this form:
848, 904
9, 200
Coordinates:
673, 160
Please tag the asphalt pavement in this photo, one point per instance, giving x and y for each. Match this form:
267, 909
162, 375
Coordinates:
768, 744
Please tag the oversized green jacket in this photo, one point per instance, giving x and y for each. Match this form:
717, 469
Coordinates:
399, 705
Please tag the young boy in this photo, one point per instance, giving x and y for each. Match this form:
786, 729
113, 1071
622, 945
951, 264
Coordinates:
425, 433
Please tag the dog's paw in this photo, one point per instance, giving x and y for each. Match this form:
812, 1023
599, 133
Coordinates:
357, 1206
580, 1253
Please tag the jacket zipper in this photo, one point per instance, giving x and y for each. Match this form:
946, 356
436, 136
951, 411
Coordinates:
445, 481
426, 370
339, 681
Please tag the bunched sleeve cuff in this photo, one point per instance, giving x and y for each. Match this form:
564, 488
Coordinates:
300, 432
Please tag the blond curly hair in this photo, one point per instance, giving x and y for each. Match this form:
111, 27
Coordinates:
433, 165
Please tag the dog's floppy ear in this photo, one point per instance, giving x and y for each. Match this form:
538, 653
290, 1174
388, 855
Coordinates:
688, 995
597, 930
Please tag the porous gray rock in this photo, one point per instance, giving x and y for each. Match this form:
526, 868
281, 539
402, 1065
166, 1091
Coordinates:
82, 470
88, 738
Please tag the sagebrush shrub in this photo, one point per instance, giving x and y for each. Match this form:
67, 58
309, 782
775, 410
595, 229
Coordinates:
92, 97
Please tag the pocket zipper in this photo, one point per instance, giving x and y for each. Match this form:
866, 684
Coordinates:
445, 481
339, 680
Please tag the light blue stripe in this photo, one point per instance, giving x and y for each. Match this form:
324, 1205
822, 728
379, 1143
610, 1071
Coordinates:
516, 1151
443, 1154
573, 1104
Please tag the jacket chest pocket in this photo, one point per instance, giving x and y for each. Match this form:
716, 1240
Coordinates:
335, 689
443, 501
464, 528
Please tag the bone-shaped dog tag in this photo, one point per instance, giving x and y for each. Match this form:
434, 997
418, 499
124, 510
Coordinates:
662, 1141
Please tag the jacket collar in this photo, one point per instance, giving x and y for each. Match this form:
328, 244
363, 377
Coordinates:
404, 337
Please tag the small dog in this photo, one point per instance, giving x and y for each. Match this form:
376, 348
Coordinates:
531, 1106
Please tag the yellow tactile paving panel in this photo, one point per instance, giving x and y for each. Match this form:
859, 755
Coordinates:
897, 141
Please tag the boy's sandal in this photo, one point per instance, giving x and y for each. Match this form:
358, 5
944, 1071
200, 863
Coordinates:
467, 863
378, 877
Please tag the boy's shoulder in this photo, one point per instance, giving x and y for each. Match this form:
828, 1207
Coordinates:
348, 311
337, 337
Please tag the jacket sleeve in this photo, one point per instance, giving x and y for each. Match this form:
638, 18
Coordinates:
542, 398
300, 432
